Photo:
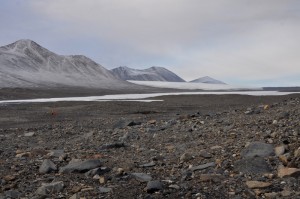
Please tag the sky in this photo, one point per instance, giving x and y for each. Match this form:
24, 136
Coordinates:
242, 42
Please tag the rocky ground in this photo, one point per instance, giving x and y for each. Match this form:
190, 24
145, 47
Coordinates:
184, 147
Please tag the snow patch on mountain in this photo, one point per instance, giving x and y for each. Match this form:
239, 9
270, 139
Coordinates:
150, 74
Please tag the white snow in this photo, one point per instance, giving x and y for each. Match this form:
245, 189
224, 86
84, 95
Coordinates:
141, 97
192, 86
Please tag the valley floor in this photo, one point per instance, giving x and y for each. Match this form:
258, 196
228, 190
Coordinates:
225, 146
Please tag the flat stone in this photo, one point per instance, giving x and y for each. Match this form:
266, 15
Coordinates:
48, 188
203, 166
258, 149
252, 165
297, 153
288, 172
279, 150
142, 177
105, 189
21, 155
12, 194
205, 154
153, 186
56, 153
9, 178
185, 157
150, 164
211, 177
174, 186
271, 195
47, 166
257, 184
75, 196
29, 134
81, 166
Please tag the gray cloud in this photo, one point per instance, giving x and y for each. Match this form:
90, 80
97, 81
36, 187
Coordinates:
253, 40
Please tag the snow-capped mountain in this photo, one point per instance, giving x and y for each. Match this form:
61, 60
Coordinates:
25, 63
149, 74
207, 80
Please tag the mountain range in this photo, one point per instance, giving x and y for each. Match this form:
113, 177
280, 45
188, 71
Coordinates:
25, 63
150, 74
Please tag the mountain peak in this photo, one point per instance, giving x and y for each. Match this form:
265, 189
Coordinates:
21, 45
207, 80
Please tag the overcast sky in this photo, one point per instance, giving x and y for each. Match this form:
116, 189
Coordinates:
249, 42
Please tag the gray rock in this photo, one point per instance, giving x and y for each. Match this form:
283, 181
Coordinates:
259, 149
56, 153
150, 164
205, 154
12, 194
29, 134
142, 177
81, 166
97, 171
203, 166
105, 189
284, 115
50, 188
47, 166
153, 186
252, 165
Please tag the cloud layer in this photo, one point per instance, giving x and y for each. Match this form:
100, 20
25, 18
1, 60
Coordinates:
238, 41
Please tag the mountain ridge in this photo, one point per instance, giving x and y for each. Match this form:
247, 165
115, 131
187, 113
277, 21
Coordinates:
154, 73
25, 63
207, 80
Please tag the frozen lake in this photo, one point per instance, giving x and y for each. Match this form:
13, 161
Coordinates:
141, 97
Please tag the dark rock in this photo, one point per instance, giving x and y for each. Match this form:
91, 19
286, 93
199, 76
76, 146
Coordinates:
124, 123
112, 146
258, 149
153, 186
252, 165
133, 123
97, 171
81, 166
47, 166
284, 115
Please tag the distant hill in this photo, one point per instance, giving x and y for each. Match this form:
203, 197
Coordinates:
149, 74
25, 63
207, 80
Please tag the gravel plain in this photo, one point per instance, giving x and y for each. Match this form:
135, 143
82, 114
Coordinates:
203, 146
